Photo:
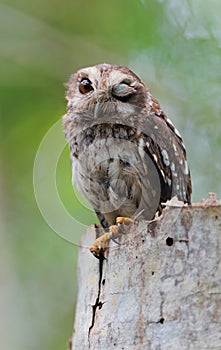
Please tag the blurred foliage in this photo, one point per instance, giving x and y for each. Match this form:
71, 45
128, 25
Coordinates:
173, 46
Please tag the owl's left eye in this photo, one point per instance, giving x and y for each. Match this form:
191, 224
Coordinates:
85, 86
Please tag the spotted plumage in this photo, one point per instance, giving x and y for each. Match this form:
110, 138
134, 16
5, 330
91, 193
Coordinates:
127, 157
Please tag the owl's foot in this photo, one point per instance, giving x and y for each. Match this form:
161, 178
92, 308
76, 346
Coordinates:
117, 229
100, 245
121, 220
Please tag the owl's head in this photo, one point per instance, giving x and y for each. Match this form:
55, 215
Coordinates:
105, 88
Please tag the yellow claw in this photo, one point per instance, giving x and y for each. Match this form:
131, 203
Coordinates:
123, 220
100, 244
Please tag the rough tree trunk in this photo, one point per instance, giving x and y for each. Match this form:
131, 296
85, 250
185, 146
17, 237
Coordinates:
159, 289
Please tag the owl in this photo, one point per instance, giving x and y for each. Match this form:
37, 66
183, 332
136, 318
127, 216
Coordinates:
127, 156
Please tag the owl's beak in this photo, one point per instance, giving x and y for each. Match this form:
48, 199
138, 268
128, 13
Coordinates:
97, 109
101, 98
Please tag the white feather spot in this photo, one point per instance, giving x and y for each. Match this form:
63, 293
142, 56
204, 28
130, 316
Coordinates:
177, 187
172, 167
169, 181
174, 147
155, 127
142, 143
165, 157
186, 169
181, 161
141, 147
175, 150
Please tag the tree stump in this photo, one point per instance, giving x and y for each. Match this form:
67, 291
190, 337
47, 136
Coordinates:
159, 289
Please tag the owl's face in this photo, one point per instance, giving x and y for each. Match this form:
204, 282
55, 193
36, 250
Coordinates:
105, 88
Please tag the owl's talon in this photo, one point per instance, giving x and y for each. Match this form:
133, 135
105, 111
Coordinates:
113, 239
100, 255
96, 255
120, 229
99, 247
121, 221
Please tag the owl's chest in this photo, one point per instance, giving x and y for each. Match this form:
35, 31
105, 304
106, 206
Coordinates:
106, 164
103, 154
111, 169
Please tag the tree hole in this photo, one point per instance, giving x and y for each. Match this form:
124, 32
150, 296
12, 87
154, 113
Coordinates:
169, 241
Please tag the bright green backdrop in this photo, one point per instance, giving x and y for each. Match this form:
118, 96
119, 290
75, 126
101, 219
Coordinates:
174, 46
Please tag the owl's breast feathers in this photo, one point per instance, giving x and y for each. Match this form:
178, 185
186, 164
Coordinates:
122, 170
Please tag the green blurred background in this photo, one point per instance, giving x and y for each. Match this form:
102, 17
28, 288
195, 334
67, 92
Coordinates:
174, 46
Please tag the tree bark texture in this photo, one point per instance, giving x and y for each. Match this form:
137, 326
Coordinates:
159, 289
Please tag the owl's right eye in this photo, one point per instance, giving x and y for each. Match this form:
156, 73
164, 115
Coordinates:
85, 86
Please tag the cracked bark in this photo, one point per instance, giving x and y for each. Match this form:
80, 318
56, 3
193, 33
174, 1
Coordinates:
159, 289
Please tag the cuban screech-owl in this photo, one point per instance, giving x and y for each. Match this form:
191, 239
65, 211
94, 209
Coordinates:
127, 157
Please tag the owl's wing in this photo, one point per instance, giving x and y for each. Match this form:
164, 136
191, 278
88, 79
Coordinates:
165, 146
